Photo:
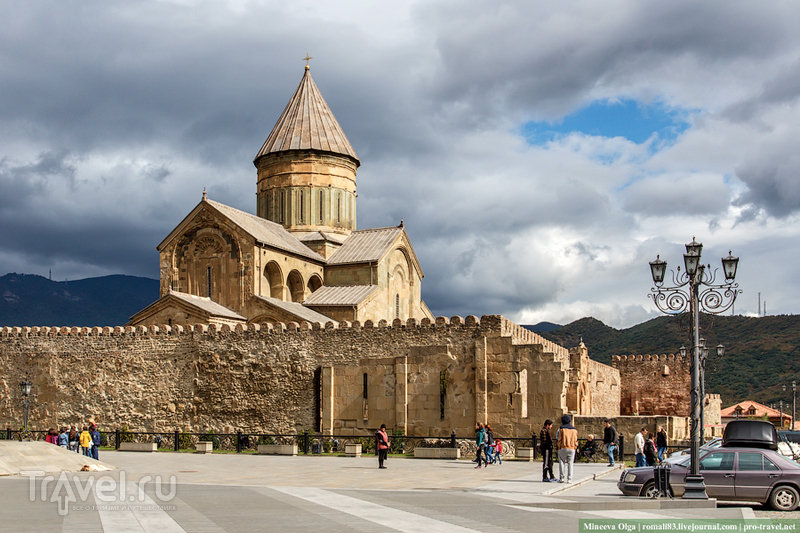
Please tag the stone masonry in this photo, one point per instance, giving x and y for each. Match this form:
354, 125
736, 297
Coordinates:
425, 378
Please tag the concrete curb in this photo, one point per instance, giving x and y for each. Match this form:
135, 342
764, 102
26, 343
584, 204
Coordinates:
565, 487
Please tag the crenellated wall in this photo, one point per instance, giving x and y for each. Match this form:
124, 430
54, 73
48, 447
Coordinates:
288, 377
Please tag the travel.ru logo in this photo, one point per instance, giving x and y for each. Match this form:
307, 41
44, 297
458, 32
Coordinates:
101, 493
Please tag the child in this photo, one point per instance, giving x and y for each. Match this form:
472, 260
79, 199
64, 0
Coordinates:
86, 442
498, 451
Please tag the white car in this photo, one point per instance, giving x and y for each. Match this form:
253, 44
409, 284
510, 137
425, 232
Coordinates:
710, 445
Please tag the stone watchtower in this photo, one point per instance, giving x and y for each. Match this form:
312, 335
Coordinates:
307, 172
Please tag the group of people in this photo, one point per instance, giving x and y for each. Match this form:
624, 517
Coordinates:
86, 442
489, 449
566, 443
648, 452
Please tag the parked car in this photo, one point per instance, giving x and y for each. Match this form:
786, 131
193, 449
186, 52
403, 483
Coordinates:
746, 467
731, 474
790, 443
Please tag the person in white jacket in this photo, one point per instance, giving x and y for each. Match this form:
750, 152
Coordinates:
638, 441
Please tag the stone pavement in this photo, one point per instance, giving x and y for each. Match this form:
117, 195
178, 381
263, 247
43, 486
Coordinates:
230, 492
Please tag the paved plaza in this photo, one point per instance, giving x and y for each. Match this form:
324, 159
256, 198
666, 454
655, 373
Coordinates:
231, 493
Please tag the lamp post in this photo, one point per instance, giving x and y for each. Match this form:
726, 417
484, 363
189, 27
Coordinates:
694, 290
703, 358
794, 401
25, 387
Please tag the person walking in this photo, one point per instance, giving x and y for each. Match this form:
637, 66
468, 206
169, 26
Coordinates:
86, 442
381, 445
567, 445
489, 440
610, 439
480, 436
650, 450
547, 451
638, 442
95, 433
661, 443
498, 451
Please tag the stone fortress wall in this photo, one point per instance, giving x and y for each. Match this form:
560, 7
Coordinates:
654, 384
424, 378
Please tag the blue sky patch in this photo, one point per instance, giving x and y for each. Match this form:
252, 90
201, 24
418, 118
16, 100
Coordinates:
619, 118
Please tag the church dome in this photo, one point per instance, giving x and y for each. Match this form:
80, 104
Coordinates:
307, 123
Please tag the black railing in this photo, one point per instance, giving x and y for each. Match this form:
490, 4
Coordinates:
307, 443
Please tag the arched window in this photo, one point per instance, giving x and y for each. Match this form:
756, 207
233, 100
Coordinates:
320, 205
339, 208
397, 306
283, 195
208, 279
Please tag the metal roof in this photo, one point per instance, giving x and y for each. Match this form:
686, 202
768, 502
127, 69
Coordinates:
318, 236
206, 304
266, 231
307, 123
296, 309
365, 245
340, 295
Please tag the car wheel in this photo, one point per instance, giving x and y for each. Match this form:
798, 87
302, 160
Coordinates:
649, 490
784, 498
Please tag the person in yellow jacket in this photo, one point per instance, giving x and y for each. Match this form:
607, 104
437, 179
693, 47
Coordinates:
567, 444
86, 442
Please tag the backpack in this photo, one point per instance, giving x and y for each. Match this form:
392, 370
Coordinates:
489, 438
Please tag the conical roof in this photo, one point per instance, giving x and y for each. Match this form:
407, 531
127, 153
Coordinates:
307, 123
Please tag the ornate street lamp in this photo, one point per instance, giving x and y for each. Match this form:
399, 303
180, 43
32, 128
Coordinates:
695, 290
25, 387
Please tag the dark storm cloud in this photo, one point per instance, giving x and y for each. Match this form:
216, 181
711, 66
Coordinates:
773, 185
546, 57
18, 182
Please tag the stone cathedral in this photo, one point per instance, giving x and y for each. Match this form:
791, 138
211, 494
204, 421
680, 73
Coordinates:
300, 258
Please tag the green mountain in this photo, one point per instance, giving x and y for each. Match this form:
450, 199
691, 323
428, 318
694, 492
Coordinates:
30, 300
762, 354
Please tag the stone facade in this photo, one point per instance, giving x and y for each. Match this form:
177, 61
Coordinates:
426, 379
654, 384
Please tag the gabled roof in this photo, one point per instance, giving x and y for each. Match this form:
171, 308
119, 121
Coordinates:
761, 410
206, 304
293, 308
340, 295
365, 245
205, 307
263, 231
307, 123
371, 245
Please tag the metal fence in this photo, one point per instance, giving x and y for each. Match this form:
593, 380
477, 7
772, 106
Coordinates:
307, 442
